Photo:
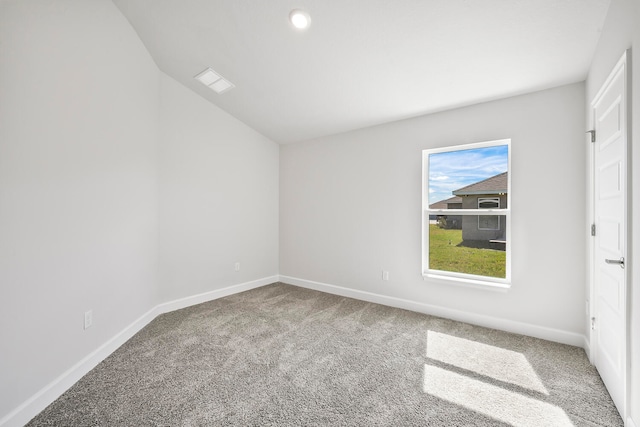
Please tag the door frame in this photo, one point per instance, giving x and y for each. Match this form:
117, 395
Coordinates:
592, 344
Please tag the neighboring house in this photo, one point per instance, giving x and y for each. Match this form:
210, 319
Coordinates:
490, 193
449, 221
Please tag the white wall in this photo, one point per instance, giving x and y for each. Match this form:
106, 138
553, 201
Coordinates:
78, 186
350, 206
107, 167
119, 190
218, 197
621, 31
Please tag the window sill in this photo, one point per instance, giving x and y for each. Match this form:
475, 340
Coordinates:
467, 282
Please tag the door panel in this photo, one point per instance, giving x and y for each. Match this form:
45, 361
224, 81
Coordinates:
610, 235
610, 181
610, 123
610, 204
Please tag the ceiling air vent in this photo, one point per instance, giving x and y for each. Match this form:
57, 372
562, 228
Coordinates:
214, 81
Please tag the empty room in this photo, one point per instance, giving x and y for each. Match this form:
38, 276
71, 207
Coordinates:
355, 213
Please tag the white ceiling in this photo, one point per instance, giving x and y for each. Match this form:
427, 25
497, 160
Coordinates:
366, 62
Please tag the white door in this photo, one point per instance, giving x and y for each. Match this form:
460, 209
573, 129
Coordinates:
610, 214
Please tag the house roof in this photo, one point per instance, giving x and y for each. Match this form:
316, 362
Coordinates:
443, 204
494, 185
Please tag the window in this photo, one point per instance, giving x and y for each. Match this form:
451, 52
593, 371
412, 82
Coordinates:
467, 213
488, 222
492, 203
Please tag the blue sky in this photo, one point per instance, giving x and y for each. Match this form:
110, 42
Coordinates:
452, 170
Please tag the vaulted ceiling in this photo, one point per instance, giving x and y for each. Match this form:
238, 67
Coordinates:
365, 62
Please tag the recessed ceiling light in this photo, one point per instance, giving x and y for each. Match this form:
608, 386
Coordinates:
214, 81
300, 19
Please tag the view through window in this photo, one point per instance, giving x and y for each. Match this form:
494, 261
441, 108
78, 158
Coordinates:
466, 208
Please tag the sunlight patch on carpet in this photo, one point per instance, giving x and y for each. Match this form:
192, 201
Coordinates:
493, 401
494, 362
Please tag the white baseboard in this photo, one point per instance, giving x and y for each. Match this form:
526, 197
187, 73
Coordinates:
536, 331
630, 422
215, 294
587, 348
32, 406
43, 398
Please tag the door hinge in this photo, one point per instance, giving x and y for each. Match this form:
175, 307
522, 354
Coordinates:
593, 323
593, 135
593, 229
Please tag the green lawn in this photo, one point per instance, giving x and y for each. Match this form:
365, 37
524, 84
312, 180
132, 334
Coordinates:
447, 252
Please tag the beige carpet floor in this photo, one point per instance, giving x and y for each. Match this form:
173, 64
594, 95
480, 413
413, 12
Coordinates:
286, 356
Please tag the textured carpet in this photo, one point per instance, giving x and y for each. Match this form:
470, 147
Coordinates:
283, 355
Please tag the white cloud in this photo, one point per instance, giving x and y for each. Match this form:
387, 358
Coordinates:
452, 170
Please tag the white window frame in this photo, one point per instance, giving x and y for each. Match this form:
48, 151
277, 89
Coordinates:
490, 199
472, 280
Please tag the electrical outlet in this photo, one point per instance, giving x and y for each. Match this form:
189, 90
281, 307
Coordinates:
88, 319
237, 266
385, 275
